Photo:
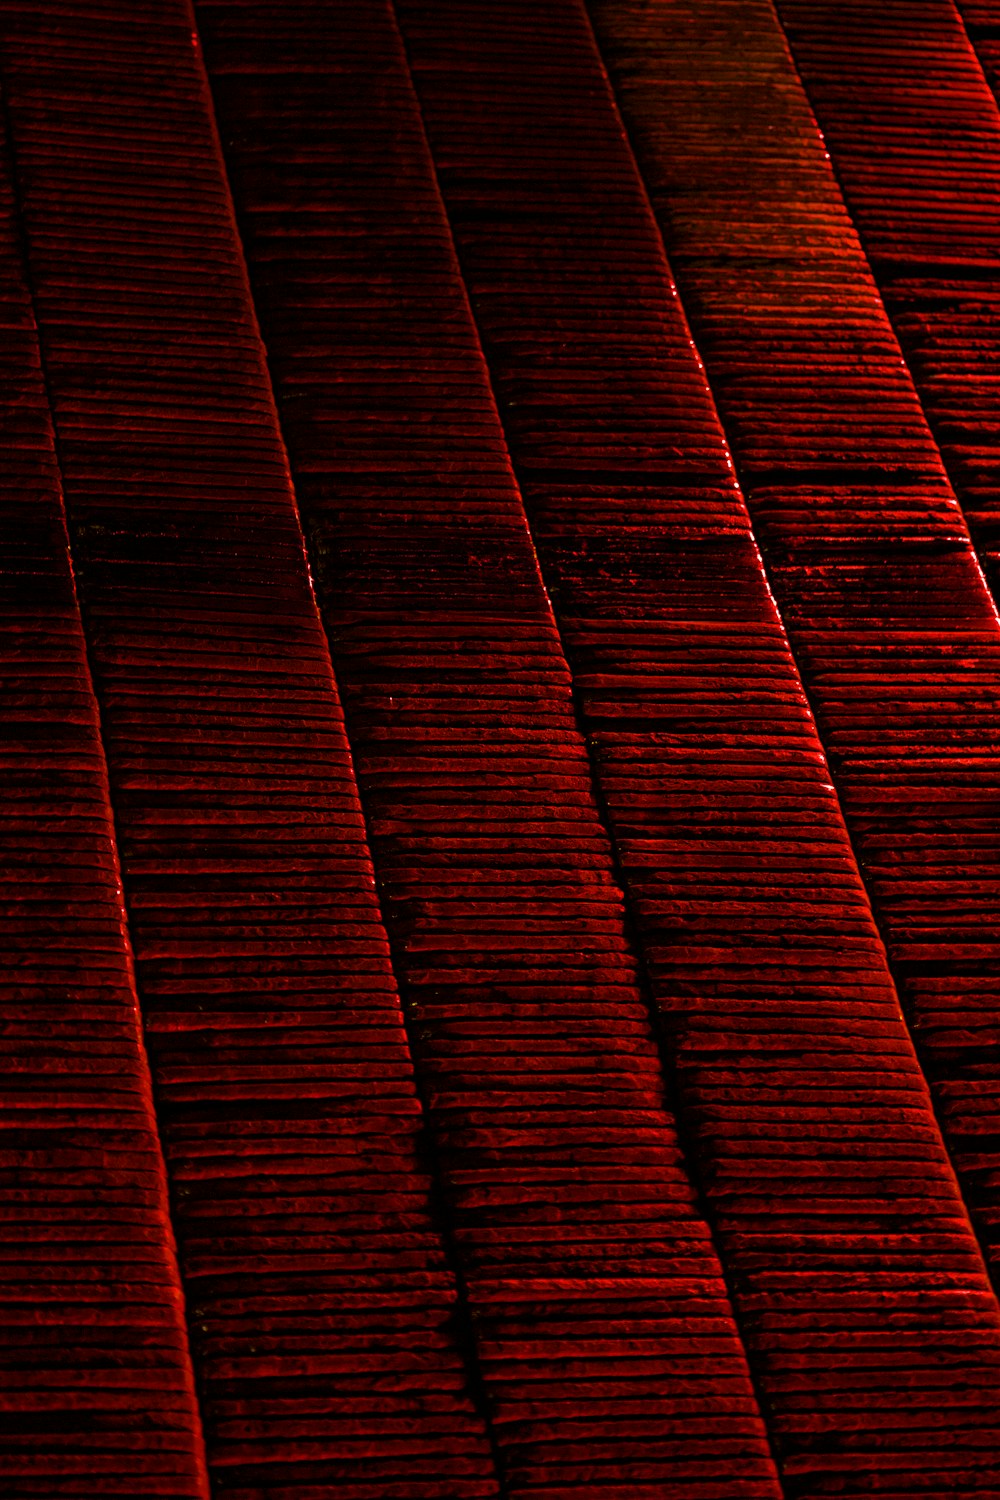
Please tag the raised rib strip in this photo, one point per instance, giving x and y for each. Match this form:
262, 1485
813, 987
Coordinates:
607, 1344
822, 1164
96, 1385
876, 1234
918, 156
320, 1301
914, 134
981, 19
869, 556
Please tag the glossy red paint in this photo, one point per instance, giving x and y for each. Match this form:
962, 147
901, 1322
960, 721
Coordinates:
520, 921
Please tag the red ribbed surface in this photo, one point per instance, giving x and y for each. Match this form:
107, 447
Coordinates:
882, 596
921, 171
982, 26
597, 1301
319, 1299
96, 1392
538, 1112
919, 162
709, 763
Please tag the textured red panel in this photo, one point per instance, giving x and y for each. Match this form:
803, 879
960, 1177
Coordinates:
610, 841
919, 159
320, 1301
607, 1345
748, 902
914, 134
96, 1386
982, 25
855, 1269
869, 556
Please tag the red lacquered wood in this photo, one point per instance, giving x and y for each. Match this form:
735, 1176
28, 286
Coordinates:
322, 1309
795, 1070
914, 134
868, 553
982, 25
96, 1384
607, 1343
567, 276
914, 137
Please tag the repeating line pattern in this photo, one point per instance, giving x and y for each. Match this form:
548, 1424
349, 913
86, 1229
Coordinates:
880, 590
852, 1238
920, 167
320, 1301
96, 1385
646, 1200
749, 904
607, 1344
919, 164
982, 25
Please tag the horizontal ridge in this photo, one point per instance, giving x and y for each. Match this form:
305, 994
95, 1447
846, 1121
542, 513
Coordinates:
322, 1306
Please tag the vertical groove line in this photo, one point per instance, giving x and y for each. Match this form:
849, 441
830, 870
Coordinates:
878, 290
465, 1337
975, 558
146, 1075
761, 554
631, 931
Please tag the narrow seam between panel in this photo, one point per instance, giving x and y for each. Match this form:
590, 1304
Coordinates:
976, 560
439, 1219
878, 290
146, 1076
833, 780
644, 984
